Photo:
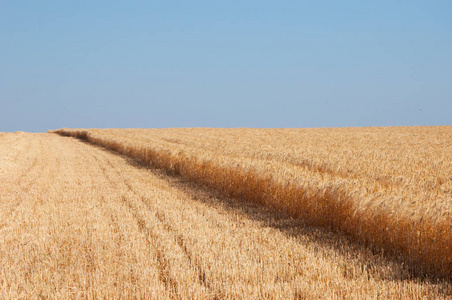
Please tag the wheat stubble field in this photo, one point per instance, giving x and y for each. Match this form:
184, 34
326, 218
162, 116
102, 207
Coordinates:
359, 213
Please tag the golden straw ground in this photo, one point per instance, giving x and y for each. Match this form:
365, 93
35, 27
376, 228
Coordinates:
78, 221
389, 188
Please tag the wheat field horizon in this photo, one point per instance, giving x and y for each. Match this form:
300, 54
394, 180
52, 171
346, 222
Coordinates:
217, 213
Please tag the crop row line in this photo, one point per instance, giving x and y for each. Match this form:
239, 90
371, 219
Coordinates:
426, 247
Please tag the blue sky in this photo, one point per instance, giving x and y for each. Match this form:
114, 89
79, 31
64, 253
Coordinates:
224, 64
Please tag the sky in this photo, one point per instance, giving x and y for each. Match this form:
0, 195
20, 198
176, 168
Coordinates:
160, 64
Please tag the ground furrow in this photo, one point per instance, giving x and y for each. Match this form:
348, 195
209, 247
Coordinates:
98, 225
205, 231
120, 204
175, 266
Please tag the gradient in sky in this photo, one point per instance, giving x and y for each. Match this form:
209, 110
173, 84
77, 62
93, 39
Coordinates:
161, 64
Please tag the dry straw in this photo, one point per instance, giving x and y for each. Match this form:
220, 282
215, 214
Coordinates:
425, 246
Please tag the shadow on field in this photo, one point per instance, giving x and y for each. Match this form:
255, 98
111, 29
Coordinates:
372, 262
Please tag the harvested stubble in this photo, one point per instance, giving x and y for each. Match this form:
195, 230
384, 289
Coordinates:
79, 222
389, 188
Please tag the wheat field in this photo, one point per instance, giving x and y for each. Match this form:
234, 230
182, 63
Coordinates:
357, 213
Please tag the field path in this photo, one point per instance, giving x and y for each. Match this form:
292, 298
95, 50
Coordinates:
78, 221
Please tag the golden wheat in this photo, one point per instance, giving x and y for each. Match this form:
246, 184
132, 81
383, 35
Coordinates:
80, 222
389, 188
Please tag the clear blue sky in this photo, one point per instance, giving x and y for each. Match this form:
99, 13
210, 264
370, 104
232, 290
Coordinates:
224, 64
